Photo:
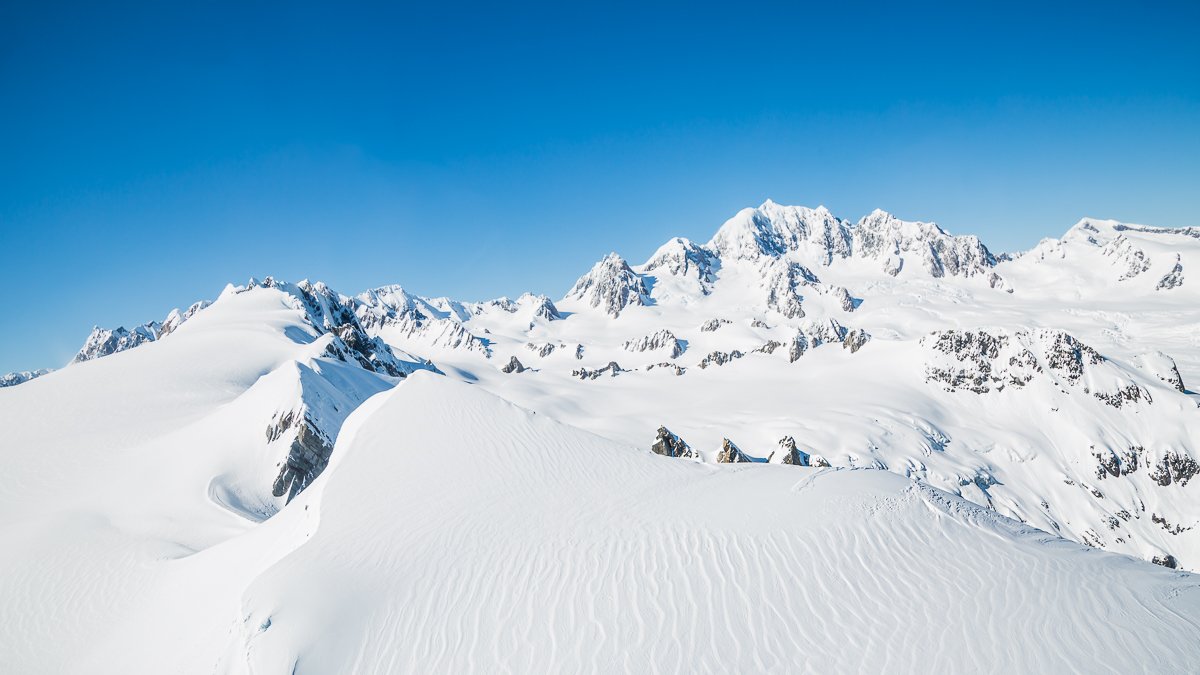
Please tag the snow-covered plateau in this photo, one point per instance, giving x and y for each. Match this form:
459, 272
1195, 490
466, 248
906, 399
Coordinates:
807, 445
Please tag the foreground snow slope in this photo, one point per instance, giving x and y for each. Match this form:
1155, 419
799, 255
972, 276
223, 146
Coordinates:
455, 532
114, 468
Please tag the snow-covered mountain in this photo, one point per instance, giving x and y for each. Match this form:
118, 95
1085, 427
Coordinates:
909, 419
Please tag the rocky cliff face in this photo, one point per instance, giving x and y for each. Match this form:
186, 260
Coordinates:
610, 286
731, 454
670, 445
663, 340
788, 453
983, 361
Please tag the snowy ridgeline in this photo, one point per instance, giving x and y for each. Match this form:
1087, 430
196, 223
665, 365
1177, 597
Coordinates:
1049, 385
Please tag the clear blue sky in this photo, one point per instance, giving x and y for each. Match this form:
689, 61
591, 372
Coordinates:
149, 154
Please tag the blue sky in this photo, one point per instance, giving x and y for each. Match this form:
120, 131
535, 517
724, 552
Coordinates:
151, 153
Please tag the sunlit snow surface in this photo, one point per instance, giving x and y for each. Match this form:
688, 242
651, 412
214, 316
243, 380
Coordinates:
492, 522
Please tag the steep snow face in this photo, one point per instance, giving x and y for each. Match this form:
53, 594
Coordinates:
610, 286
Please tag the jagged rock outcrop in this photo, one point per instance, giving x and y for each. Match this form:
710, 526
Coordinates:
661, 340
304, 430
881, 235
797, 347
788, 453
176, 318
333, 314
612, 370
542, 306
668, 444
848, 302
772, 231
1172, 279
855, 340
816, 333
1174, 467
677, 369
769, 347
783, 281
103, 342
685, 259
308, 454
514, 365
731, 454
713, 324
1166, 560
1113, 464
431, 323
1127, 257
981, 361
544, 349
610, 286
21, 377
719, 358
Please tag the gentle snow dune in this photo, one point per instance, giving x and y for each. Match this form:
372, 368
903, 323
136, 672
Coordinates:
459, 533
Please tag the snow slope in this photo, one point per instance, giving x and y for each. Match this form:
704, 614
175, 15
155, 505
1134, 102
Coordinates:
456, 532
272, 484
791, 322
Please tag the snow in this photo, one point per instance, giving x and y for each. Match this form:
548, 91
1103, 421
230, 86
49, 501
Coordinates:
471, 519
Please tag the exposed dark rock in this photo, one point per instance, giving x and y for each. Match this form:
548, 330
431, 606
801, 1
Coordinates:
1166, 560
1172, 279
679, 370
784, 280
855, 340
789, 453
662, 340
670, 445
769, 347
514, 365
1112, 464
542, 350
798, 346
1174, 467
713, 324
730, 453
307, 456
719, 358
612, 369
611, 286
